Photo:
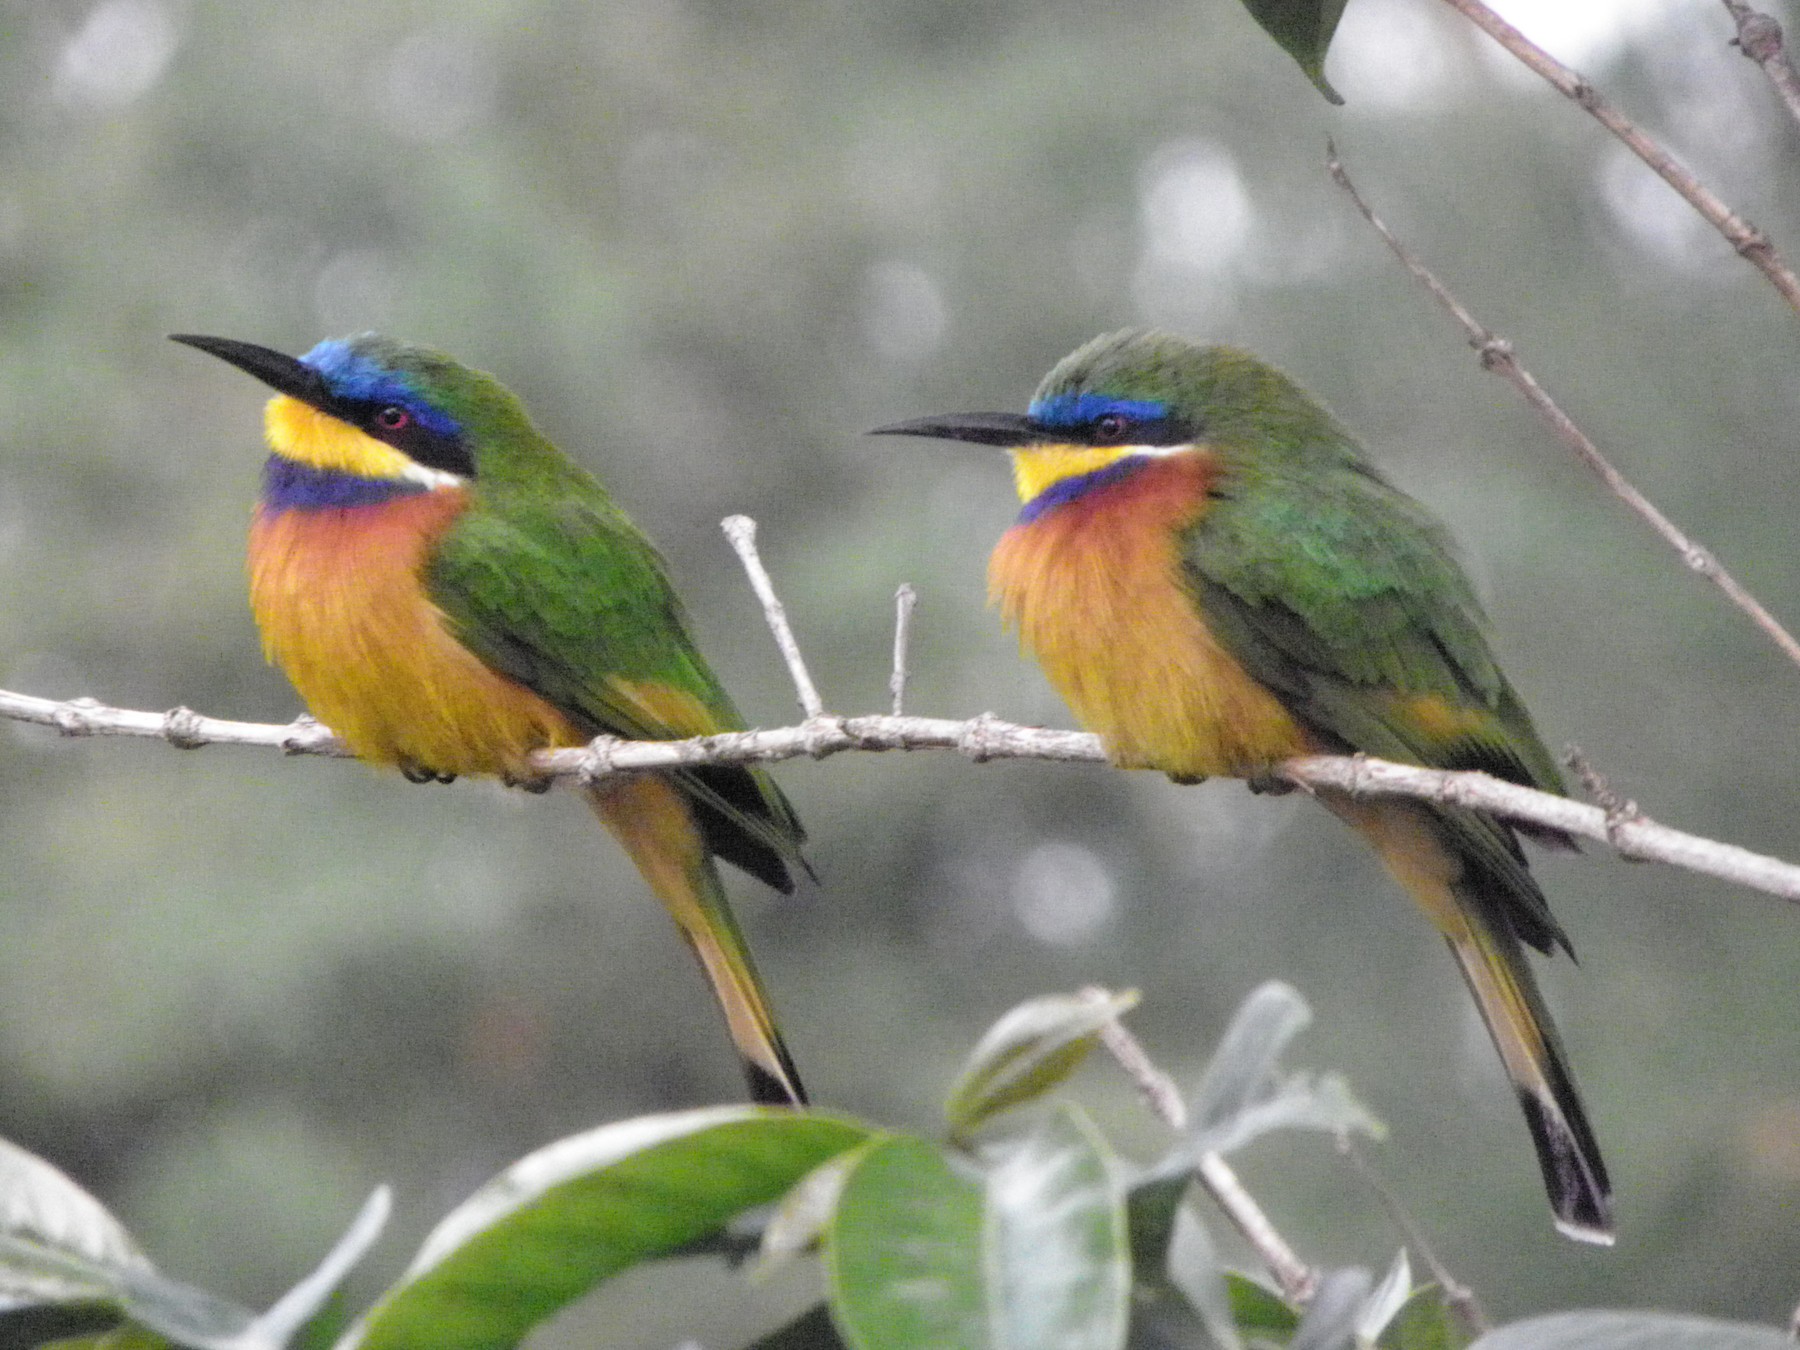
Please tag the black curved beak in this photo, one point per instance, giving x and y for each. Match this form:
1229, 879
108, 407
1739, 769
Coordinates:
1002, 429
279, 371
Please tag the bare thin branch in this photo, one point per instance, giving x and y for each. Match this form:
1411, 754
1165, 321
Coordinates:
1457, 1294
904, 600
1156, 1087
979, 738
1160, 1094
1295, 1277
741, 531
1760, 37
1749, 241
1496, 355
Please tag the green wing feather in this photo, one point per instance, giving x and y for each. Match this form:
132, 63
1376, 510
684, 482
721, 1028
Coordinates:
1344, 597
567, 597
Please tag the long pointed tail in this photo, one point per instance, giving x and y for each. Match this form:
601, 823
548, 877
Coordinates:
1468, 896
652, 821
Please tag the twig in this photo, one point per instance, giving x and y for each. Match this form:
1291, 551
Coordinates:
1159, 1092
1744, 237
904, 600
1296, 1279
1457, 1294
979, 738
1620, 809
741, 531
1156, 1087
1759, 36
1496, 355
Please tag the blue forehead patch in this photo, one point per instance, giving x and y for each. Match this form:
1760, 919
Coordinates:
353, 375
1078, 410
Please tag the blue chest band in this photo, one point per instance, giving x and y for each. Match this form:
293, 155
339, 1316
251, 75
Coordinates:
289, 485
1068, 489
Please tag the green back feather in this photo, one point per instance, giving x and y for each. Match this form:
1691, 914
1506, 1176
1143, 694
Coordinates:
549, 582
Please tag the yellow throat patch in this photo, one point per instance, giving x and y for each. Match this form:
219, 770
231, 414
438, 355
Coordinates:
1038, 468
300, 432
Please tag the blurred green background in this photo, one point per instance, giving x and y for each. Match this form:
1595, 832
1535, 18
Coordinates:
710, 242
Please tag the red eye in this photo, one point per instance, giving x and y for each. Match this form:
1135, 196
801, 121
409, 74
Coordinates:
393, 418
1111, 426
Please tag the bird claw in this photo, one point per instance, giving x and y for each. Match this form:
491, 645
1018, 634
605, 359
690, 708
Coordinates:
418, 773
536, 784
1268, 784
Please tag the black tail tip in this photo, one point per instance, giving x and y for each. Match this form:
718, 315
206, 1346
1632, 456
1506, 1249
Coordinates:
1574, 1175
767, 1089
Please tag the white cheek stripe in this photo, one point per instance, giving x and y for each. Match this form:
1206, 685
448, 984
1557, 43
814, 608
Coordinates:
1159, 451
414, 472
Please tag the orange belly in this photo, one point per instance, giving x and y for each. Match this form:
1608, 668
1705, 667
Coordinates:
339, 598
1094, 588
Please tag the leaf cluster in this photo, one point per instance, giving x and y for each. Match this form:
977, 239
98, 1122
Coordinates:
1022, 1227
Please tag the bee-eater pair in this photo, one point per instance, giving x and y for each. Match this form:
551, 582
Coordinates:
1209, 571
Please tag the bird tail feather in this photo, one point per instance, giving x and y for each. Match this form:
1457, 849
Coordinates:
655, 826
1469, 902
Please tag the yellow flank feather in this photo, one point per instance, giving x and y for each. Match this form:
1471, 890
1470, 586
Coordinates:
343, 614
652, 822
299, 432
1094, 589
1037, 468
1440, 720
674, 713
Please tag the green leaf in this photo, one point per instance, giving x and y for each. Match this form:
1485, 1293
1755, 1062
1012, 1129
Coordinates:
568, 1216
59, 1247
281, 1323
1631, 1331
1243, 1095
804, 1212
1425, 1322
1027, 1052
1259, 1310
929, 1250
1384, 1304
58, 1244
1303, 29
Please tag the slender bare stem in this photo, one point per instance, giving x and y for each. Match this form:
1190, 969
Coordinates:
1760, 38
1156, 1087
1496, 355
904, 600
1295, 1277
1744, 237
741, 531
979, 738
1159, 1092
1457, 1294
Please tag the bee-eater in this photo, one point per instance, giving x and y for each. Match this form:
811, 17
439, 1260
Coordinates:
449, 593
1215, 579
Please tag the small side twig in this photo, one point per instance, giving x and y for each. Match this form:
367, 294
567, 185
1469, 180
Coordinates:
904, 600
1458, 1295
1620, 810
1750, 242
741, 531
1156, 1087
1497, 355
1760, 38
1296, 1278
